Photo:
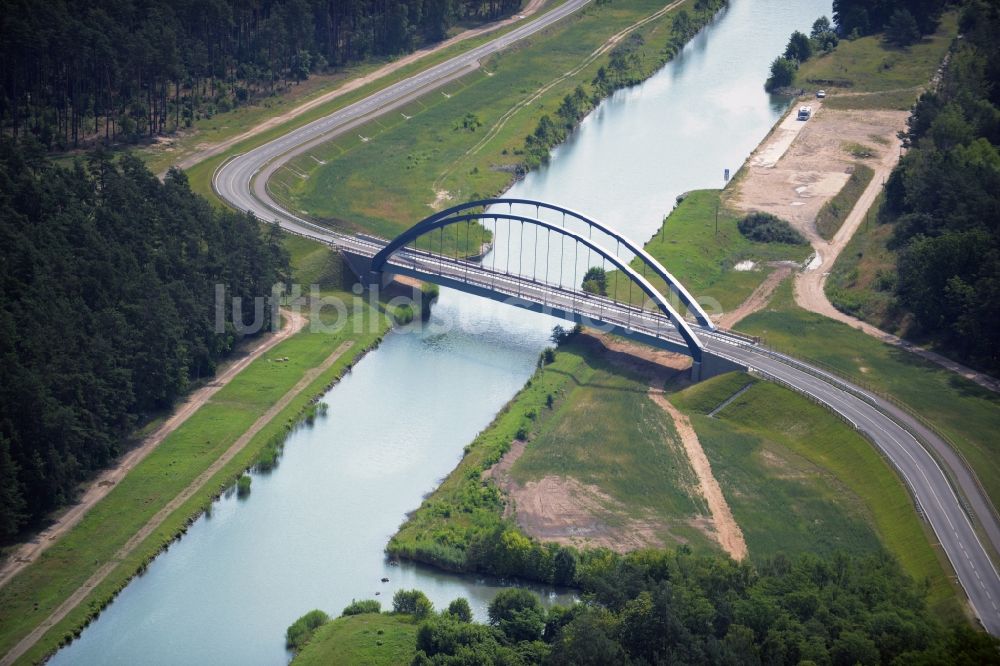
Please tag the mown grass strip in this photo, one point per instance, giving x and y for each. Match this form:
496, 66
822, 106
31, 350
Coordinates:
833, 213
41, 587
777, 417
963, 411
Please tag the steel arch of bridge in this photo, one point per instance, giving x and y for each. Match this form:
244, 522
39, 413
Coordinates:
658, 269
435, 222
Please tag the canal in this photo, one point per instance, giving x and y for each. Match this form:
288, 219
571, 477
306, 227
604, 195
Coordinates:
312, 532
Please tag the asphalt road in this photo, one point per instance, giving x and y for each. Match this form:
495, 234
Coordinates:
241, 182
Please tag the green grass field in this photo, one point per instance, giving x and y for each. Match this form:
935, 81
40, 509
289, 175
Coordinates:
372, 639
870, 65
864, 276
963, 411
402, 162
605, 431
704, 260
833, 213
798, 479
33, 595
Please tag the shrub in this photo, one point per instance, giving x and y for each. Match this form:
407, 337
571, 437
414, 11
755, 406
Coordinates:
243, 486
782, 73
302, 629
460, 609
518, 614
595, 281
767, 228
362, 607
412, 602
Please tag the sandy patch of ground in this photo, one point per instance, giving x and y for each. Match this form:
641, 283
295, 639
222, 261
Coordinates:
760, 297
565, 511
804, 176
727, 532
803, 164
441, 197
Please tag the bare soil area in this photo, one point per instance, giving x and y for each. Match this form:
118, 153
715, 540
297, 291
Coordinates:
798, 168
566, 511
802, 164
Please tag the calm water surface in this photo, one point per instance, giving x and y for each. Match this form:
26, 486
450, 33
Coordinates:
312, 533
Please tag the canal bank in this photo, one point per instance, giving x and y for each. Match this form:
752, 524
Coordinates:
227, 591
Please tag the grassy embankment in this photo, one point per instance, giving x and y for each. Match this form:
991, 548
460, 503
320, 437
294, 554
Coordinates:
789, 491
868, 73
225, 126
963, 411
464, 140
833, 213
702, 259
35, 593
764, 457
373, 639
864, 276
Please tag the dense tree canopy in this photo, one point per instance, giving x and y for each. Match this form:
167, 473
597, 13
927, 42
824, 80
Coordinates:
124, 69
107, 311
944, 199
676, 608
863, 17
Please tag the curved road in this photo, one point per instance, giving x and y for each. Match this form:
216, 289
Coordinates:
242, 180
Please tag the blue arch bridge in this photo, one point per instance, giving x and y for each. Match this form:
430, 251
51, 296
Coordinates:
547, 250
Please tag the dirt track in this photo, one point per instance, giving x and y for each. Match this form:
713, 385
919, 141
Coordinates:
727, 531
157, 520
760, 297
799, 167
26, 553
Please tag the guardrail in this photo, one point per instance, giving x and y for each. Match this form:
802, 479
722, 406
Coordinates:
871, 395
843, 417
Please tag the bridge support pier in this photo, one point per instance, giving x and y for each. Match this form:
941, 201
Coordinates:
713, 366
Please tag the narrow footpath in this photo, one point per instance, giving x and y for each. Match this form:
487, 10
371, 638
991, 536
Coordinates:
80, 594
100, 486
